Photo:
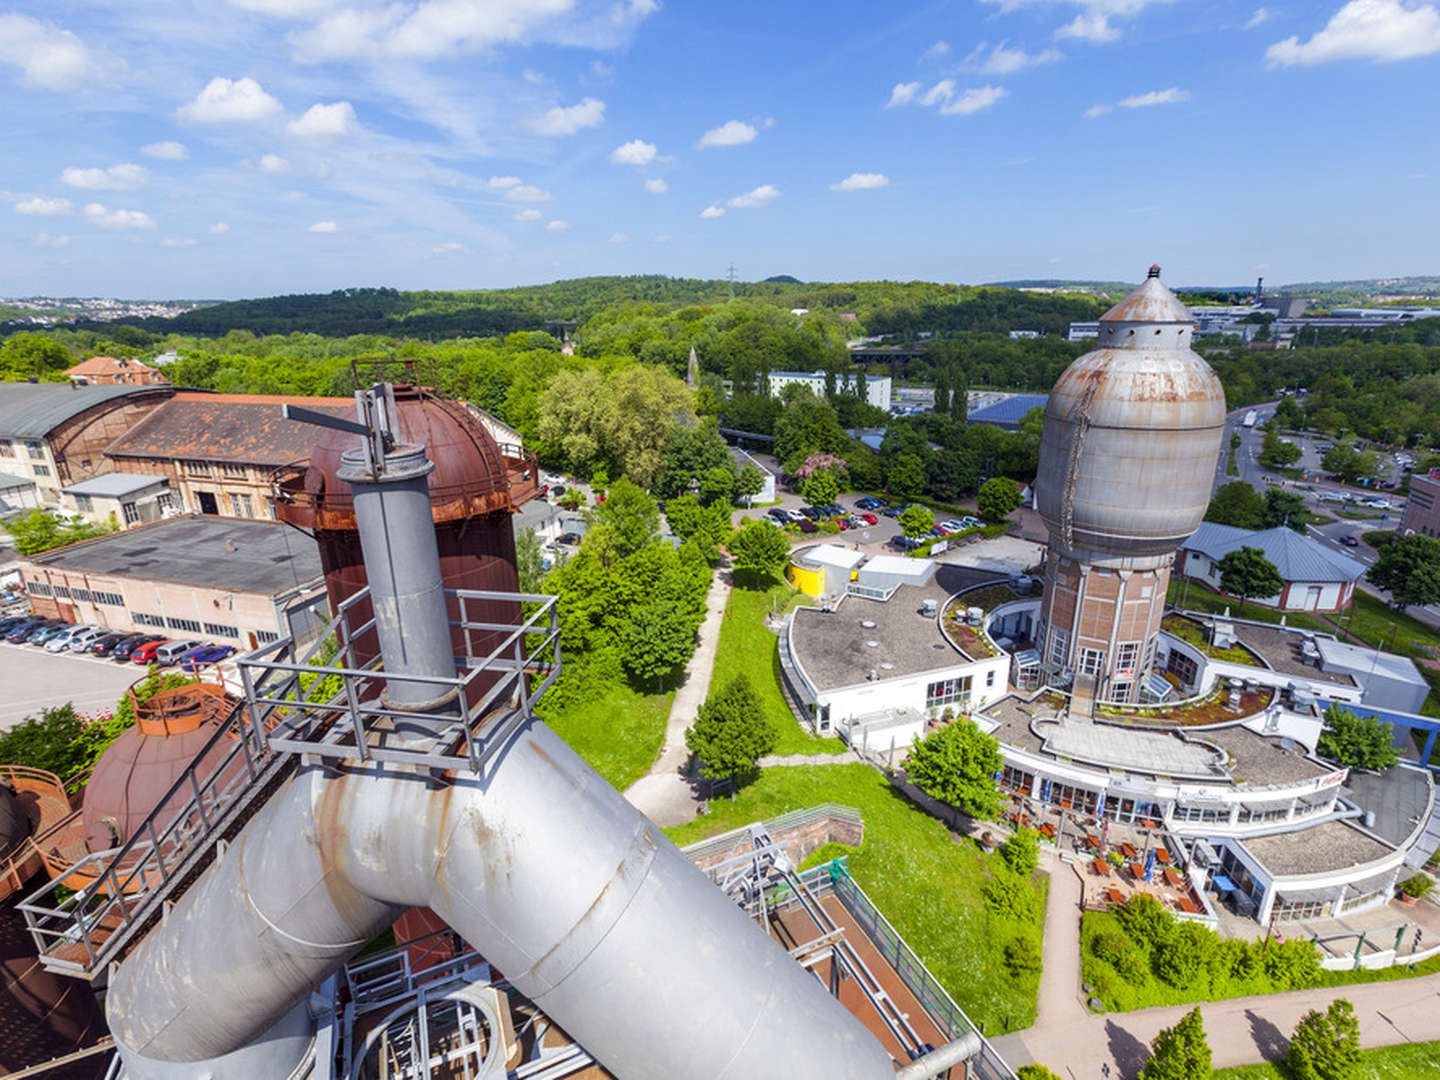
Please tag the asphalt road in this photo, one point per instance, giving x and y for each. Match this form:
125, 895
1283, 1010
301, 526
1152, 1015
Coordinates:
32, 679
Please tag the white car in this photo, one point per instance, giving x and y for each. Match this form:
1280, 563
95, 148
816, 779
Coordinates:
952, 526
62, 641
1376, 503
1330, 496
87, 636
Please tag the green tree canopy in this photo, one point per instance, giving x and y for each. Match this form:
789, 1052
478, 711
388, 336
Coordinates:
1325, 1046
1246, 572
1036, 1072
730, 733
1282, 506
1237, 504
624, 523
906, 476
916, 521
1022, 851
821, 489
1357, 742
1277, 453
1180, 1053
41, 530
1408, 569
759, 547
808, 426
1347, 462
26, 356
957, 764
998, 497
689, 455
658, 640
749, 483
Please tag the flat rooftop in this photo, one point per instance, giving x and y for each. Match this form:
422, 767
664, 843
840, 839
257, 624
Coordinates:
1280, 648
1319, 849
1399, 798
231, 554
831, 645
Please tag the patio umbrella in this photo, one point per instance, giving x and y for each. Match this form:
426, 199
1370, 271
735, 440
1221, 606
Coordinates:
1149, 865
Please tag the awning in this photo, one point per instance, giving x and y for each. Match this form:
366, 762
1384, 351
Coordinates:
1223, 883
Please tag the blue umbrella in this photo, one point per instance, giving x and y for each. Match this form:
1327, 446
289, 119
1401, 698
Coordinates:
1149, 864
1045, 792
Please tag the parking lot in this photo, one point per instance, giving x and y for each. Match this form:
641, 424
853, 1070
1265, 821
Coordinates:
33, 679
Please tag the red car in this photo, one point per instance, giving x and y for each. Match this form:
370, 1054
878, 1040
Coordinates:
869, 519
146, 653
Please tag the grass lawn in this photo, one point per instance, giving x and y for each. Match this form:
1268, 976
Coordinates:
747, 645
1413, 1061
619, 731
1372, 621
921, 879
1198, 597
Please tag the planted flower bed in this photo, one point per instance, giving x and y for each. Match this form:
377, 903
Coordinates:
1193, 633
1213, 708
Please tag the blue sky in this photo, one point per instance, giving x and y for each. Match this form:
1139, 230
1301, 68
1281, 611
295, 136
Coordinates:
168, 148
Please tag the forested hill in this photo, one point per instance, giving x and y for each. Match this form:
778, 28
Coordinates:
878, 307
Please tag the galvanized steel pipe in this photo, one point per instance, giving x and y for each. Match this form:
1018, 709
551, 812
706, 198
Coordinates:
937, 1061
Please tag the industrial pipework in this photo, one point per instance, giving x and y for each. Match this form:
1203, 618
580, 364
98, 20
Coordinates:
519, 845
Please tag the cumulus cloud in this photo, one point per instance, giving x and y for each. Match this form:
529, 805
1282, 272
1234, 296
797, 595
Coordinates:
105, 218
944, 96
656, 186
634, 152
48, 57
40, 206
229, 101
712, 211
1001, 59
903, 94
861, 181
219, 228
1098, 110
500, 183
450, 247
730, 133
619, 238
274, 164
936, 51
321, 121
763, 195
1091, 26
166, 151
527, 193
1261, 15
1173, 96
179, 241
557, 225
434, 28
568, 119
1378, 30
290, 8
324, 227
116, 178
529, 215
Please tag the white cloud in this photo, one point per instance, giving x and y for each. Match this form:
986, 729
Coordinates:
219, 228
527, 193
903, 94
619, 238
1172, 96
321, 121
601, 70
439, 26
662, 238
534, 78
116, 178
1378, 30
281, 7
45, 240
1261, 15
943, 90
656, 186
450, 247
568, 119
936, 51
274, 164
1098, 110
1091, 26
974, 100
557, 225
712, 211
47, 56
529, 215
500, 183
225, 101
634, 152
730, 133
167, 151
324, 227
763, 195
179, 241
41, 206
861, 181
1003, 60
96, 214
344, 35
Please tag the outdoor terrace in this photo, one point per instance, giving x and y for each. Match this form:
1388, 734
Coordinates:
1194, 632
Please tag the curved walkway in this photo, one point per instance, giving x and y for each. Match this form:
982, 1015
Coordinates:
664, 794
1077, 1043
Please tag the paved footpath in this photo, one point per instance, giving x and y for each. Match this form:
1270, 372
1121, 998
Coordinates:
664, 794
1077, 1043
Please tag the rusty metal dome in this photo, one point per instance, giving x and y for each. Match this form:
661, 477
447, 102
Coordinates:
14, 822
1132, 433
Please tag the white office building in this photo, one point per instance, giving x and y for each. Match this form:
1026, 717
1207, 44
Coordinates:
877, 387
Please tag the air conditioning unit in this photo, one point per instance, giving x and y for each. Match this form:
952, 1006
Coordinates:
929, 607
975, 616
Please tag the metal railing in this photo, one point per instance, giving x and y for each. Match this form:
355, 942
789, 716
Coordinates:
290, 709
723, 842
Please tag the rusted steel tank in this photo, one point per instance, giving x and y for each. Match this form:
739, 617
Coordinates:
42, 1016
476, 486
1132, 433
33, 804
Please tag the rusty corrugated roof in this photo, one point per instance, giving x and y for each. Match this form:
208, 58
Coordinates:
1152, 302
228, 427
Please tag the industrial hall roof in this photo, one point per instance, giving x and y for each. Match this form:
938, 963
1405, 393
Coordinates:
244, 428
227, 554
1297, 557
1009, 411
33, 410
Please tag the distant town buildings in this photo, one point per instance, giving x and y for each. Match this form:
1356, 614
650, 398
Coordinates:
877, 387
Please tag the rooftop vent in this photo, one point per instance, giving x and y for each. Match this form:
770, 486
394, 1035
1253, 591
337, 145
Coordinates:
868, 624
887, 666
929, 607
975, 615
872, 644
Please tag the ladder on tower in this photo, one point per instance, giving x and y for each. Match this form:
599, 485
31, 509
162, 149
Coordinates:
1081, 421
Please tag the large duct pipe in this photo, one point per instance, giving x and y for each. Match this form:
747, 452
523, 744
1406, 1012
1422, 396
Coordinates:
946, 1057
569, 891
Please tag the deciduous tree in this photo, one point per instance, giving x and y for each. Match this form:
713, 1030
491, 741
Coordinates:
1409, 570
1357, 742
1237, 504
1326, 1046
759, 547
916, 521
957, 765
1180, 1053
1283, 506
821, 489
730, 733
1246, 572
906, 477
998, 497
658, 640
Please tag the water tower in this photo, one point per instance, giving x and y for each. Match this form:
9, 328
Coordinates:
1127, 460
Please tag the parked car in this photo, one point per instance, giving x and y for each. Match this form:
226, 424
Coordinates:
1330, 496
10, 622
951, 525
779, 515
22, 629
869, 519
857, 521
145, 654
569, 539
892, 511
91, 634
65, 638
871, 502
42, 634
903, 543
1350, 541
808, 526
938, 531
209, 654
172, 651
833, 510
106, 646
556, 490
124, 651
812, 512
1386, 485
